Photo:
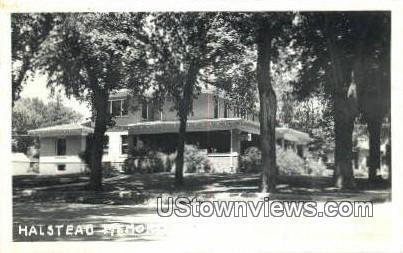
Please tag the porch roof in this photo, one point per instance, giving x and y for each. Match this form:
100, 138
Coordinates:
199, 125
292, 135
61, 130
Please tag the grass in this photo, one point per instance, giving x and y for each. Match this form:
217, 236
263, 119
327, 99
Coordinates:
132, 199
137, 188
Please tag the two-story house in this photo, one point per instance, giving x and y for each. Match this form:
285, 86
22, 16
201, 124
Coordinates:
222, 130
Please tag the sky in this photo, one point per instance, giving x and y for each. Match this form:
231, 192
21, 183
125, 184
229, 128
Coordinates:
37, 88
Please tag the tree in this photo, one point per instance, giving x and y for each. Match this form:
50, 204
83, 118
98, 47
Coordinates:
28, 31
373, 71
267, 33
327, 62
32, 113
331, 51
89, 56
187, 49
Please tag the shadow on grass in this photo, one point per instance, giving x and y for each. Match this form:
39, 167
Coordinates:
137, 188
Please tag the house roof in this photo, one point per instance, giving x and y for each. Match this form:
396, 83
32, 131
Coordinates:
123, 93
61, 130
195, 125
153, 127
292, 135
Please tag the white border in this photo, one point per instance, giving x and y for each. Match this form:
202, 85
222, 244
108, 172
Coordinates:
381, 233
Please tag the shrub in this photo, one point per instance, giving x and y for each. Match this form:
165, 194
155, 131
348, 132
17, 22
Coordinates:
128, 166
251, 161
156, 163
318, 168
85, 156
289, 162
207, 166
195, 160
146, 161
108, 170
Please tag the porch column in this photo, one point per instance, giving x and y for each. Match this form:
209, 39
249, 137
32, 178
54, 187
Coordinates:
234, 148
83, 146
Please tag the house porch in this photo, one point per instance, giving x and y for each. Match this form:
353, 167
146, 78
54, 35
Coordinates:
221, 139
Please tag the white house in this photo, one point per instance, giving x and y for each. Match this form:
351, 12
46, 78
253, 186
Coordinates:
223, 130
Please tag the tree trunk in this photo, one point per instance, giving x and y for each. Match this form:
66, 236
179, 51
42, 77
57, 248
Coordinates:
344, 126
183, 111
101, 120
374, 129
388, 160
268, 107
180, 151
345, 109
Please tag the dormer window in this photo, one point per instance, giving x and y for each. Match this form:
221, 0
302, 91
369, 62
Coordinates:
118, 107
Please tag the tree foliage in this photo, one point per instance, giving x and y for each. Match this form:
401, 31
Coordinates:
28, 31
268, 33
335, 49
32, 113
90, 56
192, 51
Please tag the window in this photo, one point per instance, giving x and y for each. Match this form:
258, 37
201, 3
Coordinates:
61, 147
216, 107
237, 112
150, 111
244, 113
226, 110
125, 107
144, 110
125, 144
118, 108
61, 167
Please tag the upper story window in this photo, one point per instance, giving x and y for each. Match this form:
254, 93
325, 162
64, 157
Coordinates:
144, 110
61, 146
226, 110
216, 107
118, 107
236, 111
244, 113
150, 111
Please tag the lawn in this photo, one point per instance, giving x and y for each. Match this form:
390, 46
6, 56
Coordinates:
134, 189
131, 199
